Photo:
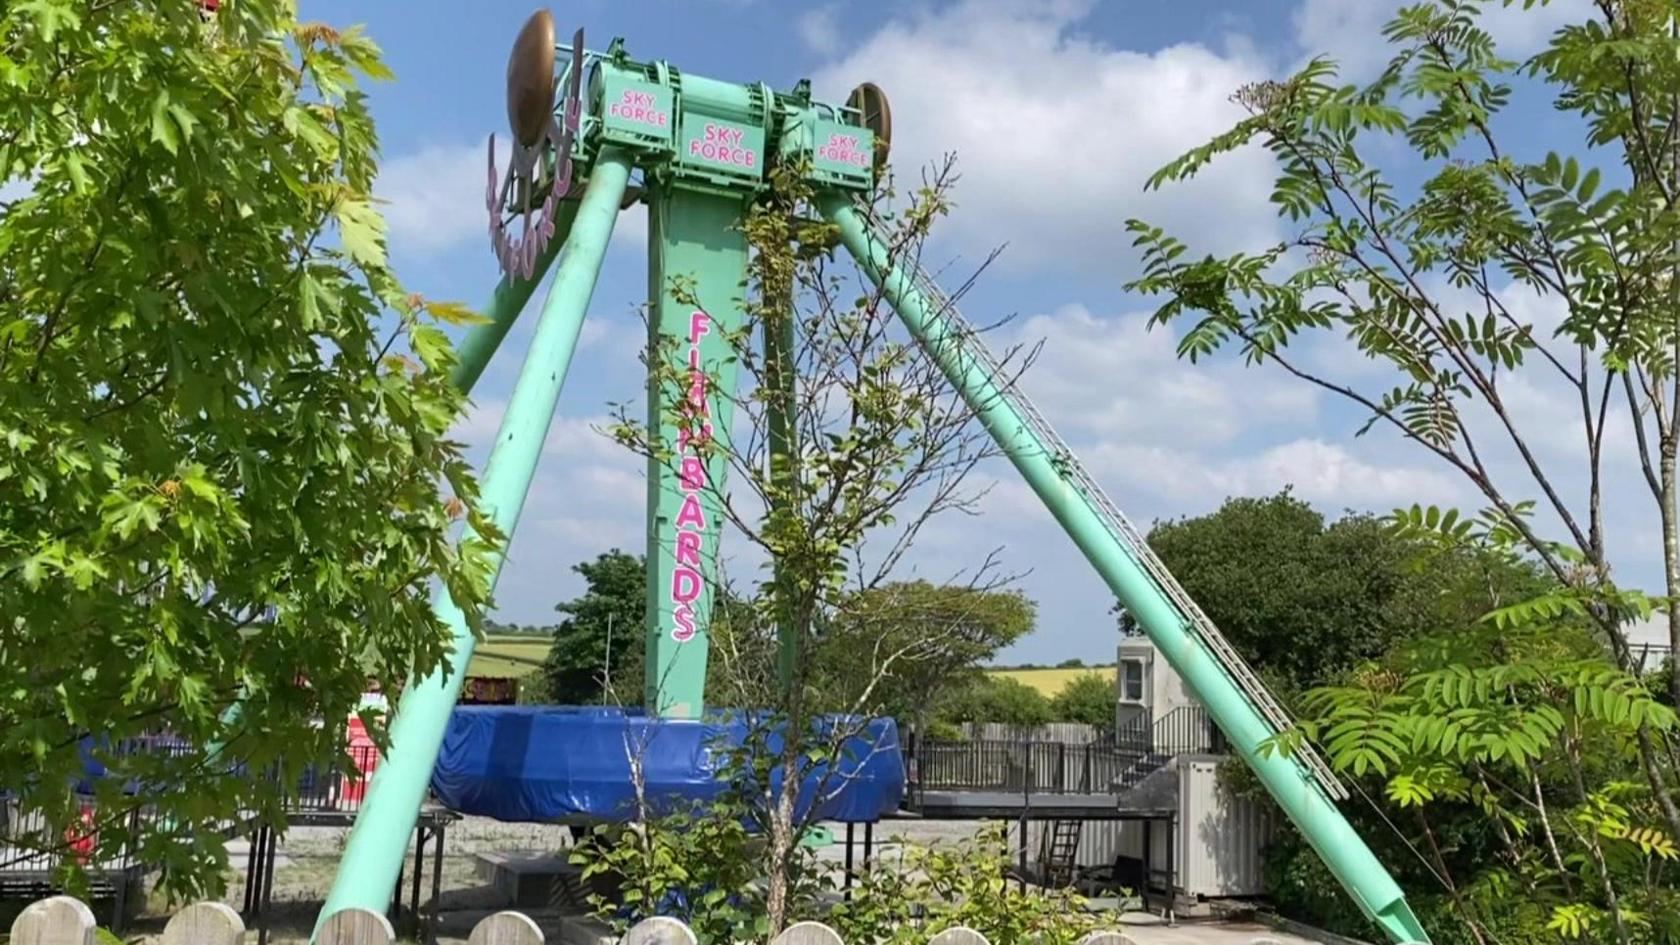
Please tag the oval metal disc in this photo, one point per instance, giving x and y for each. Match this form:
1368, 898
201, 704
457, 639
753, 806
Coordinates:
530, 79
872, 103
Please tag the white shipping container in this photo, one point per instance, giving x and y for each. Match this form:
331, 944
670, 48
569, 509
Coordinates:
1215, 849
1221, 838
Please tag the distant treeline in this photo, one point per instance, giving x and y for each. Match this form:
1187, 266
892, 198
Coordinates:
1064, 664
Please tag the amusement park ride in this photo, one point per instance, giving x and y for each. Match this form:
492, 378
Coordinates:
582, 123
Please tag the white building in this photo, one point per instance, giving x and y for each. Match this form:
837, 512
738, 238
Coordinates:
1214, 847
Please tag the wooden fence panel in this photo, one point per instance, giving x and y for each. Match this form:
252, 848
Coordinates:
659, 931
959, 935
60, 920
357, 927
205, 923
808, 933
506, 928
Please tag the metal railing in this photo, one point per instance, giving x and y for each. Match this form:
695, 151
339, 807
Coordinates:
1184, 730
28, 846
335, 785
1025, 766
1647, 657
1072, 471
1019, 767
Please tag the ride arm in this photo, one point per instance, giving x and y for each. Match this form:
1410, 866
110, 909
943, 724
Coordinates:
1212, 671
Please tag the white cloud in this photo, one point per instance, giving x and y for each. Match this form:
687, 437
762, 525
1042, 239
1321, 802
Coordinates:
1116, 379
1326, 474
478, 426
585, 438
1056, 131
435, 197
1351, 32
819, 28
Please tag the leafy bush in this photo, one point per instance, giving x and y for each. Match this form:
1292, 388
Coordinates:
996, 699
705, 867
702, 865
1089, 699
924, 890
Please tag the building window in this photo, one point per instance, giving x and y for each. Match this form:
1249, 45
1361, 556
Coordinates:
1131, 680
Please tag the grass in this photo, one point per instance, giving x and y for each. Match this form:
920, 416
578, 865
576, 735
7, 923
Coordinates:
519, 654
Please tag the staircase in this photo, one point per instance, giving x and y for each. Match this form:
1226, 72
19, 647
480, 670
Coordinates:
1149, 745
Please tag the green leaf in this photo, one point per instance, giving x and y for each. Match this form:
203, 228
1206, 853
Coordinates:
183, 119
455, 313
362, 229
77, 168
163, 127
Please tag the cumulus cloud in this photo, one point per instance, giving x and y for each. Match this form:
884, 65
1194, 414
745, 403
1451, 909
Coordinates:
1113, 378
1056, 131
630, 230
819, 28
435, 197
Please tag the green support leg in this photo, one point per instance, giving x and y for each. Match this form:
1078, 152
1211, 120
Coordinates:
1342, 850
506, 303
697, 264
373, 856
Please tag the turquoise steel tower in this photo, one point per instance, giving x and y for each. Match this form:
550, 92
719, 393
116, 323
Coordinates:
596, 131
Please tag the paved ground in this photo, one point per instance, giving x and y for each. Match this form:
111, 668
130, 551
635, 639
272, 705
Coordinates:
309, 856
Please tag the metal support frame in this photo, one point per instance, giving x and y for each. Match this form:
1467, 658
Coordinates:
705, 155
371, 863
420, 920
697, 263
259, 879
1054, 474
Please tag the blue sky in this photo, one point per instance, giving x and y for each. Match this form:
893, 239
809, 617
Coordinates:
1057, 111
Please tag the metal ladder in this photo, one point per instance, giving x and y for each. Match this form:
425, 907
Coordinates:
1073, 471
1061, 858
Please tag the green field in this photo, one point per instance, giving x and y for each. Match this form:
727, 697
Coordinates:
518, 654
509, 655
1049, 682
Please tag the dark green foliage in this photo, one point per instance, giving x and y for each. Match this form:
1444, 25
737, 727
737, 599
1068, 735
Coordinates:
1506, 756
1303, 599
1088, 698
577, 670
997, 699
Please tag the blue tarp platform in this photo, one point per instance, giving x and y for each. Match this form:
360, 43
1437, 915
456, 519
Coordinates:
564, 763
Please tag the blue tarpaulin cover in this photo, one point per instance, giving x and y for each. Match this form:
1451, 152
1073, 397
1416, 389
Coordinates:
546, 763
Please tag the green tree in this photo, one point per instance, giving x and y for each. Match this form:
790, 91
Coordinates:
882, 450
579, 668
1088, 698
987, 698
1304, 600
1506, 753
225, 422
947, 632
1074, 663
1434, 283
